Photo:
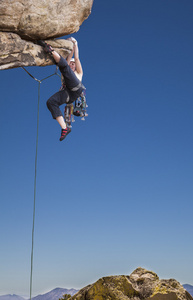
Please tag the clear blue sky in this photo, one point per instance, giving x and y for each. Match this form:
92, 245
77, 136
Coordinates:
118, 192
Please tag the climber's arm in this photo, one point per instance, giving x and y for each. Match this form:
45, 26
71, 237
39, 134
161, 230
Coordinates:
68, 58
78, 65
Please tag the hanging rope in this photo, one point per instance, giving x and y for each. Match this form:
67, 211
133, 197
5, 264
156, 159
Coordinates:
35, 175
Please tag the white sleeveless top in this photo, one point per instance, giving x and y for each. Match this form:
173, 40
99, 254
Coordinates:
79, 76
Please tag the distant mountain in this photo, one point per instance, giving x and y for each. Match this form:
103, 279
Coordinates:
11, 297
59, 292
189, 288
52, 295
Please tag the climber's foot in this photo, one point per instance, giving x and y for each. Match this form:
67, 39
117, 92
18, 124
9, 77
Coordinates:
64, 133
47, 47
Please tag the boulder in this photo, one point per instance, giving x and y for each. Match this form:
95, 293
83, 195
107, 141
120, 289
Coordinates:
16, 52
140, 285
23, 22
43, 19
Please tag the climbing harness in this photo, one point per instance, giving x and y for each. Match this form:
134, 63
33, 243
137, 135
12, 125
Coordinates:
76, 88
78, 109
35, 176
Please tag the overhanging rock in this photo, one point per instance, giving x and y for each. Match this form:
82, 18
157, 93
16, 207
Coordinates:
23, 22
43, 19
16, 52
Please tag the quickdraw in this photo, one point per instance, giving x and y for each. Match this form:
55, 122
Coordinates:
78, 110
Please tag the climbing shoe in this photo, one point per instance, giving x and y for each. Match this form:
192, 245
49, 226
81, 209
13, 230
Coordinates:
47, 47
64, 133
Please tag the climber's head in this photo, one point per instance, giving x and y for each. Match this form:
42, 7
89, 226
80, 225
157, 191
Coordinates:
72, 64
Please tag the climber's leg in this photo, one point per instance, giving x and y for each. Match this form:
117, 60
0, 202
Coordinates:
55, 101
71, 81
61, 122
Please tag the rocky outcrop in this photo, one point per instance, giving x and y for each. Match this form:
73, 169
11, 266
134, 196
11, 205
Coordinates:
16, 52
22, 22
43, 19
140, 285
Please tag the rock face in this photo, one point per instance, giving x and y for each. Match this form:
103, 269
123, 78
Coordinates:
43, 19
22, 22
140, 285
16, 52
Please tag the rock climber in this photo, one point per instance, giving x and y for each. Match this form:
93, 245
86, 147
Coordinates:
72, 87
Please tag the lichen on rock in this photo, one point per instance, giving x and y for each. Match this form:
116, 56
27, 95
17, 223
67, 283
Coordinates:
140, 285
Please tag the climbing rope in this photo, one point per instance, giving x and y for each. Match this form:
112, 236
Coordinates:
35, 175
